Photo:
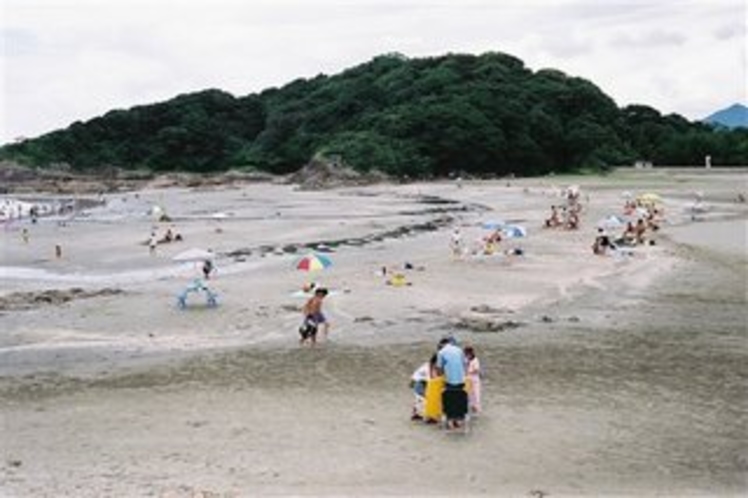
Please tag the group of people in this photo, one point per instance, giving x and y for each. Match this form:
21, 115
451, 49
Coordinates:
491, 242
448, 385
634, 233
168, 237
488, 245
567, 218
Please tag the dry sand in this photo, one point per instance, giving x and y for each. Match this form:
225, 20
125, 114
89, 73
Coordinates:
604, 375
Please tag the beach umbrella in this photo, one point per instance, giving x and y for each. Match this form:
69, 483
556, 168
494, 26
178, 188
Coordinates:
649, 198
194, 254
313, 262
514, 231
611, 221
493, 224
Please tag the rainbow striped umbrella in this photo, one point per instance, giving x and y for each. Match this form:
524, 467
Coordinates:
313, 262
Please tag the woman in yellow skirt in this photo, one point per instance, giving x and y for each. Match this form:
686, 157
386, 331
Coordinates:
432, 409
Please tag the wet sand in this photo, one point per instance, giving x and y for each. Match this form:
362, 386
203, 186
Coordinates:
618, 375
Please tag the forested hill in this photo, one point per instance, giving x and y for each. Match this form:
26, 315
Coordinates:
486, 115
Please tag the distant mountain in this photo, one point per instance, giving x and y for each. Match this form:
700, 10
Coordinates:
735, 116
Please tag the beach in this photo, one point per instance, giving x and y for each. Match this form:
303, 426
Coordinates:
622, 374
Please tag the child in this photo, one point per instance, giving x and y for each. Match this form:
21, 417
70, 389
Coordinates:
474, 375
418, 382
207, 268
313, 309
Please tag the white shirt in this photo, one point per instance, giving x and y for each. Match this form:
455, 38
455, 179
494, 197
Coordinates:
422, 373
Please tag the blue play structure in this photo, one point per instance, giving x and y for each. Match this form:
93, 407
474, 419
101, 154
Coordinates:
197, 286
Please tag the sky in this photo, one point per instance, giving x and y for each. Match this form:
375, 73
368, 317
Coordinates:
70, 60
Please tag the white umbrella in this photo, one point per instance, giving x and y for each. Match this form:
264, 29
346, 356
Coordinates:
514, 231
611, 221
194, 254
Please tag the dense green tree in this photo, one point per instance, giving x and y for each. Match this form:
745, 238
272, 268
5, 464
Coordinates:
484, 114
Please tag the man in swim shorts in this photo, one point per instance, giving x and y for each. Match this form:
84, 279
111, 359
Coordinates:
313, 310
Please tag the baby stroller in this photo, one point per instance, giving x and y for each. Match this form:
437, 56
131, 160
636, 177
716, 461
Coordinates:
455, 407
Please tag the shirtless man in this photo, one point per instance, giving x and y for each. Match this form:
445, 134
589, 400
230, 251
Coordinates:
313, 309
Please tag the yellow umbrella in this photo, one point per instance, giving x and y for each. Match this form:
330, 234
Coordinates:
649, 198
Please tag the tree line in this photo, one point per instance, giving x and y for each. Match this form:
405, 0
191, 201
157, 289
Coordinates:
486, 115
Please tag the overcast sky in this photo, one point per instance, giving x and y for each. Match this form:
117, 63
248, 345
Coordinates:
68, 60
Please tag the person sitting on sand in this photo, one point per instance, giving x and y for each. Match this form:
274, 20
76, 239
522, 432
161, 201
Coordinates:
491, 241
554, 220
629, 208
495, 237
572, 221
628, 237
313, 309
651, 220
170, 237
418, 382
640, 230
602, 243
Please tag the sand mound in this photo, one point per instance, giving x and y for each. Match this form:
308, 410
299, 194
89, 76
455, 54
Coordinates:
322, 174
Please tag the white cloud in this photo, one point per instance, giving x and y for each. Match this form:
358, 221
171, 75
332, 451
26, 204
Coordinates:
67, 60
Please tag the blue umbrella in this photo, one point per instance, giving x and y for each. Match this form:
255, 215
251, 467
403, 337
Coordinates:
515, 231
493, 224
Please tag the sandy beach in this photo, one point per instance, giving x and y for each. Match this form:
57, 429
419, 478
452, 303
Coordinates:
619, 375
